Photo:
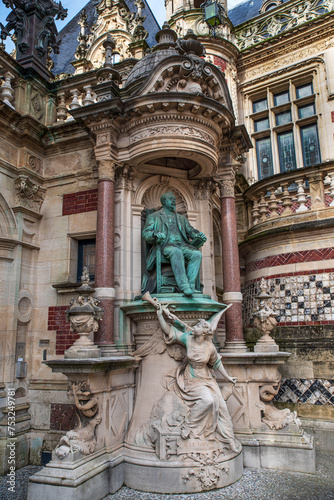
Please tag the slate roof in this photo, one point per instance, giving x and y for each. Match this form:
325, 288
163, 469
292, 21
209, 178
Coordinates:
145, 66
245, 11
70, 33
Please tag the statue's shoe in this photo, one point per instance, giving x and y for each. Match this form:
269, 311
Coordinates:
188, 291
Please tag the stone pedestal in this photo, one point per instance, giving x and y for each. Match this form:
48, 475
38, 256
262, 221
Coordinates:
157, 457
270, 438
91, 474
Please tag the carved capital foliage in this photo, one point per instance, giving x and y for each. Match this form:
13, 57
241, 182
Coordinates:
124, 177
204, 189
28, 193
227, 179
106, 169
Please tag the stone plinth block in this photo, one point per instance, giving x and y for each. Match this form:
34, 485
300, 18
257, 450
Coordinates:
179, 476
180, 438
87, 463
271, 438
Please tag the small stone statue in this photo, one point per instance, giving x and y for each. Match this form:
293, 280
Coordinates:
178, 242
81, 439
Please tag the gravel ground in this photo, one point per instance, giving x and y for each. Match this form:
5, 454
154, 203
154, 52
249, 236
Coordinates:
256, 484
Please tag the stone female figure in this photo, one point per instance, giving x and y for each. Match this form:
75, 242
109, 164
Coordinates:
208, 418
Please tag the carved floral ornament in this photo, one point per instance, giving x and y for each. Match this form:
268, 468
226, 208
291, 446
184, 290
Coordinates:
192, 75
284, 20
28, 193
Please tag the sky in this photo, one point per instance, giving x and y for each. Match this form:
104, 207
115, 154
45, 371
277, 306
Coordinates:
73, 6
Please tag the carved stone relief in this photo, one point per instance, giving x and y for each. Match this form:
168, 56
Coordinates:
271, 416
282, 21
28, 193
81, 439
173, 130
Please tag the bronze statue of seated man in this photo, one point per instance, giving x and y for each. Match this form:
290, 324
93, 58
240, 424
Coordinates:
179, 243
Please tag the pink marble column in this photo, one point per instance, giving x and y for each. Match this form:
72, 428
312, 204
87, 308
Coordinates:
104, 267
231, 268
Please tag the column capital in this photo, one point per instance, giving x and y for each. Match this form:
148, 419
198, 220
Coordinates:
204, 189
226, 182
107, 168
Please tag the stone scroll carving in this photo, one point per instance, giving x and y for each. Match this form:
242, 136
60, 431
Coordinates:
29, 194
190, 422
273, 417
82, 439
284, 20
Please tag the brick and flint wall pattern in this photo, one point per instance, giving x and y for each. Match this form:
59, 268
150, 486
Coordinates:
83, 201
57, 322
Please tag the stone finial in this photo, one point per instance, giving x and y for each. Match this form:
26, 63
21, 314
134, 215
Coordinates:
109, 47
189, 45
81, 51
265, 321
107, 73
34, 31
166, 37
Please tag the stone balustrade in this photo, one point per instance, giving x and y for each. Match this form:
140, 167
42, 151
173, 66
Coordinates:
273, 200
72, 100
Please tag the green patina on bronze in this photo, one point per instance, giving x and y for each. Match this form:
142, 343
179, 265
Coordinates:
175, 241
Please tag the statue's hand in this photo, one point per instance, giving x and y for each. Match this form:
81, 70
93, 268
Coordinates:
234, 380
202, 236
160, 237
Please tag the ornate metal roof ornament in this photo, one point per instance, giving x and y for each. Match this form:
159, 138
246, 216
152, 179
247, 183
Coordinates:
34, 31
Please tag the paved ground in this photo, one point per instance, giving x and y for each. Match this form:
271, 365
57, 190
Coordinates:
256, 484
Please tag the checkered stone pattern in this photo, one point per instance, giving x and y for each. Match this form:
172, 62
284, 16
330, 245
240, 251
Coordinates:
311, 391
306, 299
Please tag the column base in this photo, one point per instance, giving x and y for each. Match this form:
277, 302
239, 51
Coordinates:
235, 346
108, 351
82, 352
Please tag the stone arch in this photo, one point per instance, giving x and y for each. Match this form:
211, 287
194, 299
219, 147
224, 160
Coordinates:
152, 188
8, 224
151, 198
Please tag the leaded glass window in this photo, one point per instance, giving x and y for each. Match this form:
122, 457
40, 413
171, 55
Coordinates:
260, 105
310, 144
286, 150
304, 90
264, 157
281, 98
305, 111
86, 257
261, 124
282, 118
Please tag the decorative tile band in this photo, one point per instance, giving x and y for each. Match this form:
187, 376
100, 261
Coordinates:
311, 391
284, 259
306, 299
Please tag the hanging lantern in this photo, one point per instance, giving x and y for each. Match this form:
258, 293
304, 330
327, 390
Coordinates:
212, 14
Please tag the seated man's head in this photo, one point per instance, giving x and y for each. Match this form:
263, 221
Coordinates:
168, 201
